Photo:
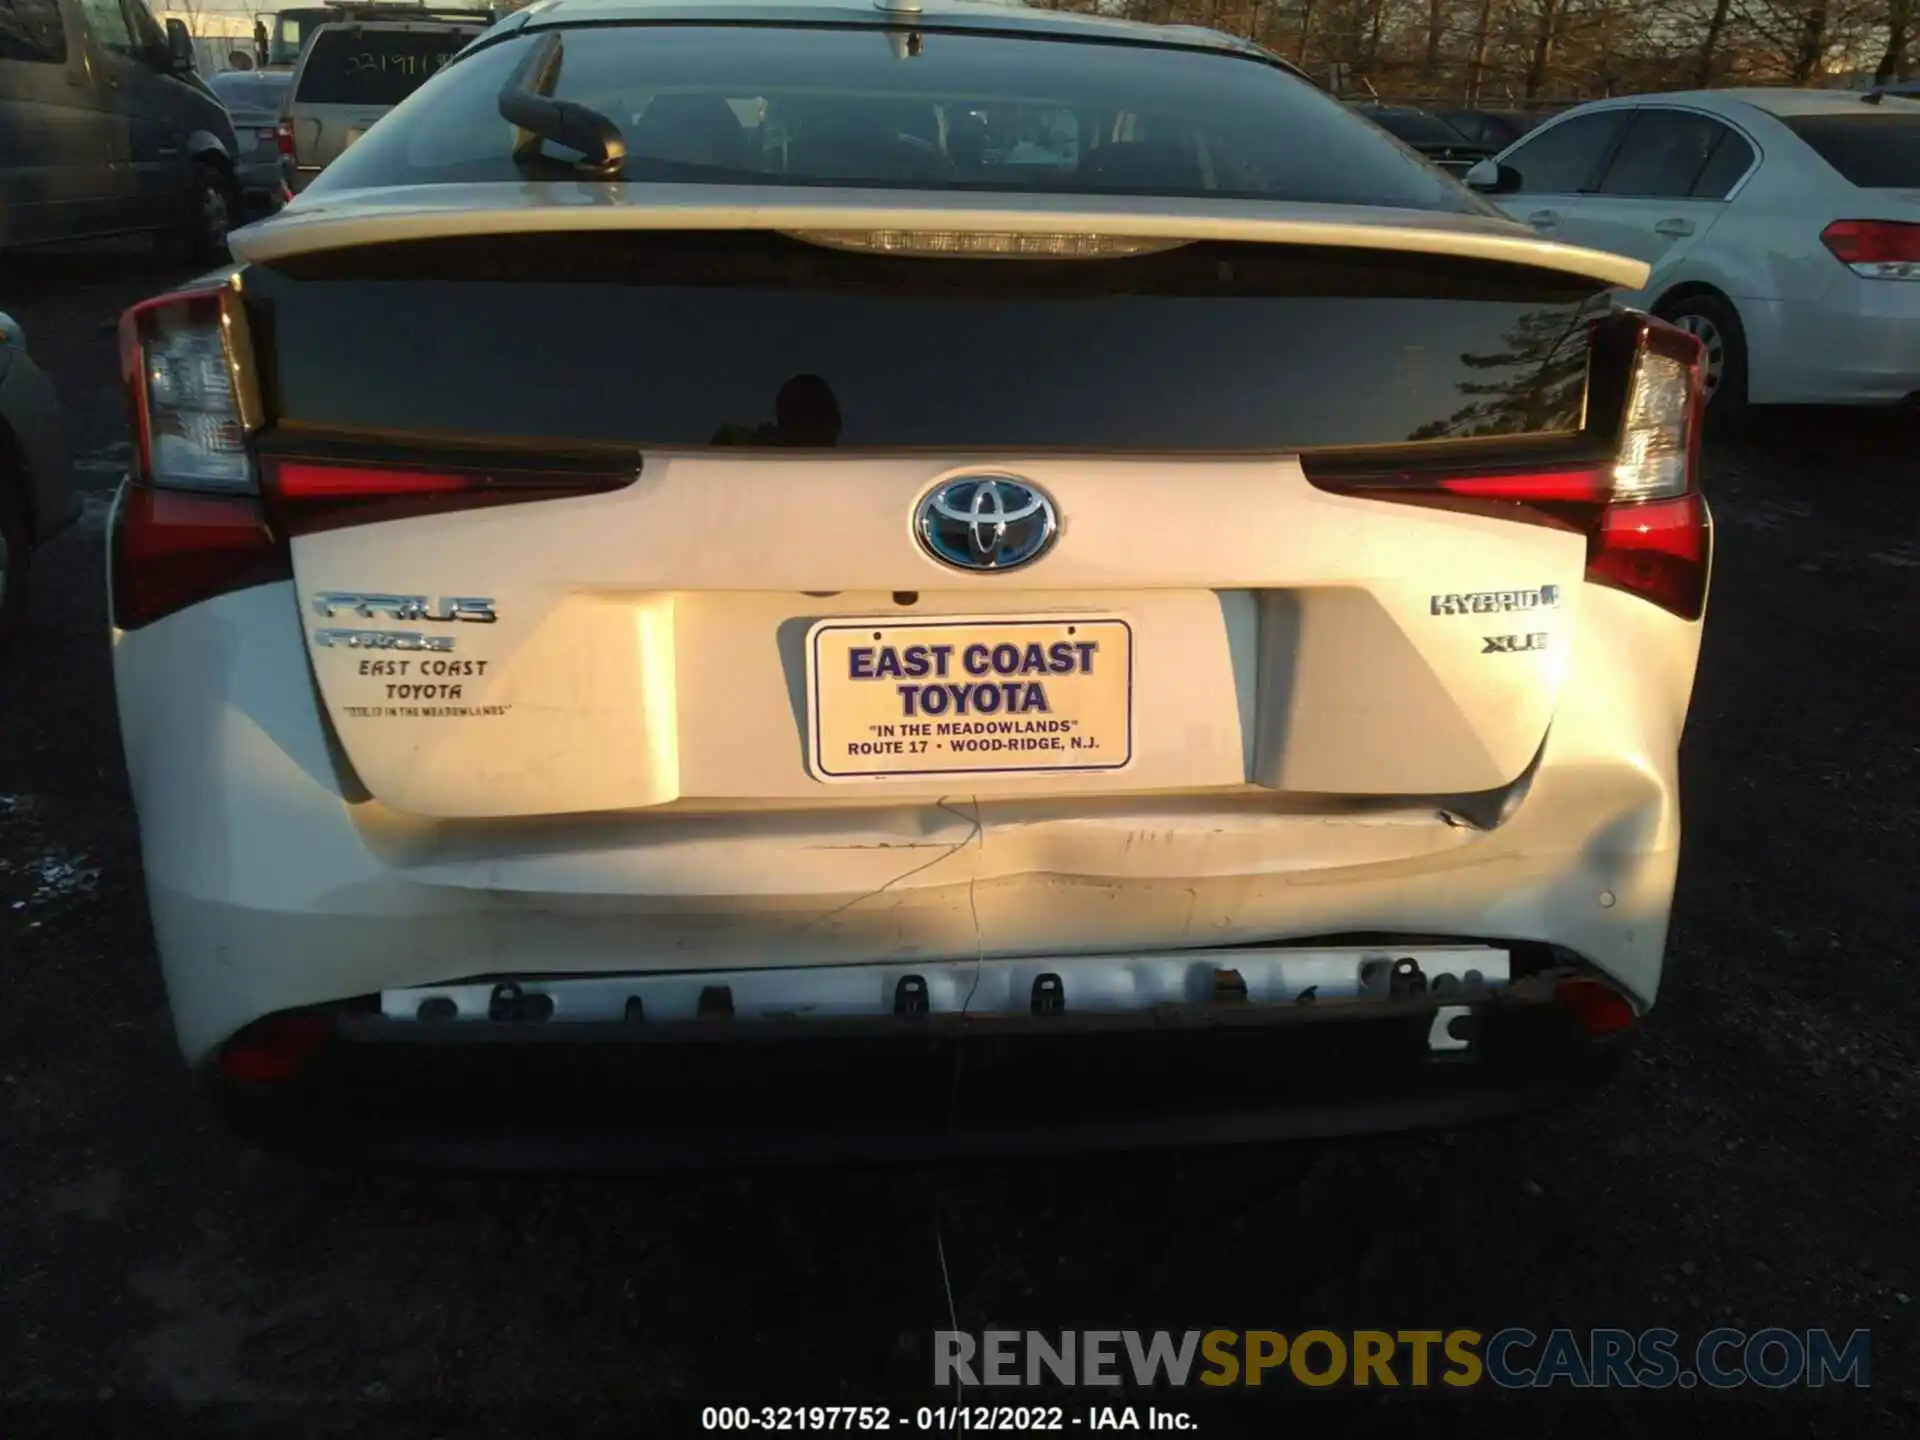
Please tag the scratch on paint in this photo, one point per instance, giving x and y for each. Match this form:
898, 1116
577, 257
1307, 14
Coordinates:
892, 845
947, 851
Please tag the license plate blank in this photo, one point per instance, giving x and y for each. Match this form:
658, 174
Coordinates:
992, 695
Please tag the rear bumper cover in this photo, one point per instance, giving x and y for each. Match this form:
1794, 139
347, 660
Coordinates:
271, 889
1859, 346
523, 1094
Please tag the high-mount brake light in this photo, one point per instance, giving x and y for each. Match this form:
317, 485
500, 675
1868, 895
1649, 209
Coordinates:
989, 244
1646, 525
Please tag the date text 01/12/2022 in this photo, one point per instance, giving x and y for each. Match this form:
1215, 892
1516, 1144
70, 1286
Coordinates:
943, 1419
993, 694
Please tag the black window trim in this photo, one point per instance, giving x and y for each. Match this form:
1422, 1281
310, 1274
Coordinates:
1726, 122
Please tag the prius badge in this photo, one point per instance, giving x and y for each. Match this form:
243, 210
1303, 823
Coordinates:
986, 522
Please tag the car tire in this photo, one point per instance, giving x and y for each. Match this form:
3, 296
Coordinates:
1716, 325
212, 208
14, 556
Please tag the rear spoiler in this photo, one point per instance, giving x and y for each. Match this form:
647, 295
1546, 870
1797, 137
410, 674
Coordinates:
352, 218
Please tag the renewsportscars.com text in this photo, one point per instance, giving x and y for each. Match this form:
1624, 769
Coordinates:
1512, 1358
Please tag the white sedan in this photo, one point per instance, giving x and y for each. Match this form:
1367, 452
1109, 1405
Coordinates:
1782, 227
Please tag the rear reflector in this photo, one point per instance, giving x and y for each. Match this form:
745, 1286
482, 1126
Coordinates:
1646, 525
1876, 249
272, 1050
170, 550
1598, 1008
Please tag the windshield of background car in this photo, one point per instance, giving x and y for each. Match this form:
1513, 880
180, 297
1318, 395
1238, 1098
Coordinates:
1417, 129
356, 65
770, 105
1874, 151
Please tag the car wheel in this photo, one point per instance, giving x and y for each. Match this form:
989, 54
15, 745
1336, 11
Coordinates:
1712, 322
211, 208
13, 558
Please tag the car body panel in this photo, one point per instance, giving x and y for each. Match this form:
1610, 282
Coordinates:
274, 884
256, 117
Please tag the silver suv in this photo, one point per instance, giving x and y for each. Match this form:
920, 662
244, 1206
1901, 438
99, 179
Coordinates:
356, 70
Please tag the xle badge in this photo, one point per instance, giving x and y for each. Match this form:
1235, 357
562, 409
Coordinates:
1512, 644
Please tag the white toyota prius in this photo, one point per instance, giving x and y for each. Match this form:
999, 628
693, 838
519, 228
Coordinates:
700, 588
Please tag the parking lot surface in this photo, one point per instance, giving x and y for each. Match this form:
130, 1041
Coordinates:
1753, 1166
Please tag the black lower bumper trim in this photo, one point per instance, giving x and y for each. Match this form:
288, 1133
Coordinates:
468, 1096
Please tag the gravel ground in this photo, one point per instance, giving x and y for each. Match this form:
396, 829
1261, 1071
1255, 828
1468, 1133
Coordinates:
1753, 1166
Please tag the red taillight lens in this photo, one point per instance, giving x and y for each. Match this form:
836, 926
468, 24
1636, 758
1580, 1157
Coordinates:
298, 480
1598, 1008
1656, 549
1876, 249
283, 136
1646, 525
171, 550
305, 495
273, 1049
1586, 486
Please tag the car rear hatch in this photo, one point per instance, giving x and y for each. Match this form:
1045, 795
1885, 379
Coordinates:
611, 518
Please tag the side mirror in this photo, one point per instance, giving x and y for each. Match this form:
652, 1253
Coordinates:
1490, 177
180, 46
239, 60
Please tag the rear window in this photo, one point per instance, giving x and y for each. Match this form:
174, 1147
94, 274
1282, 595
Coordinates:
762, 104
239, 92
355, 65
1874, 151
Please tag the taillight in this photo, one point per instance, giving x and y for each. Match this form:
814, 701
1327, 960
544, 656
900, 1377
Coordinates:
307, 494
189, 525
1598, 1008
1875, 249
1645, 522
274, 1049
171, 550
177, 362
283, 136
